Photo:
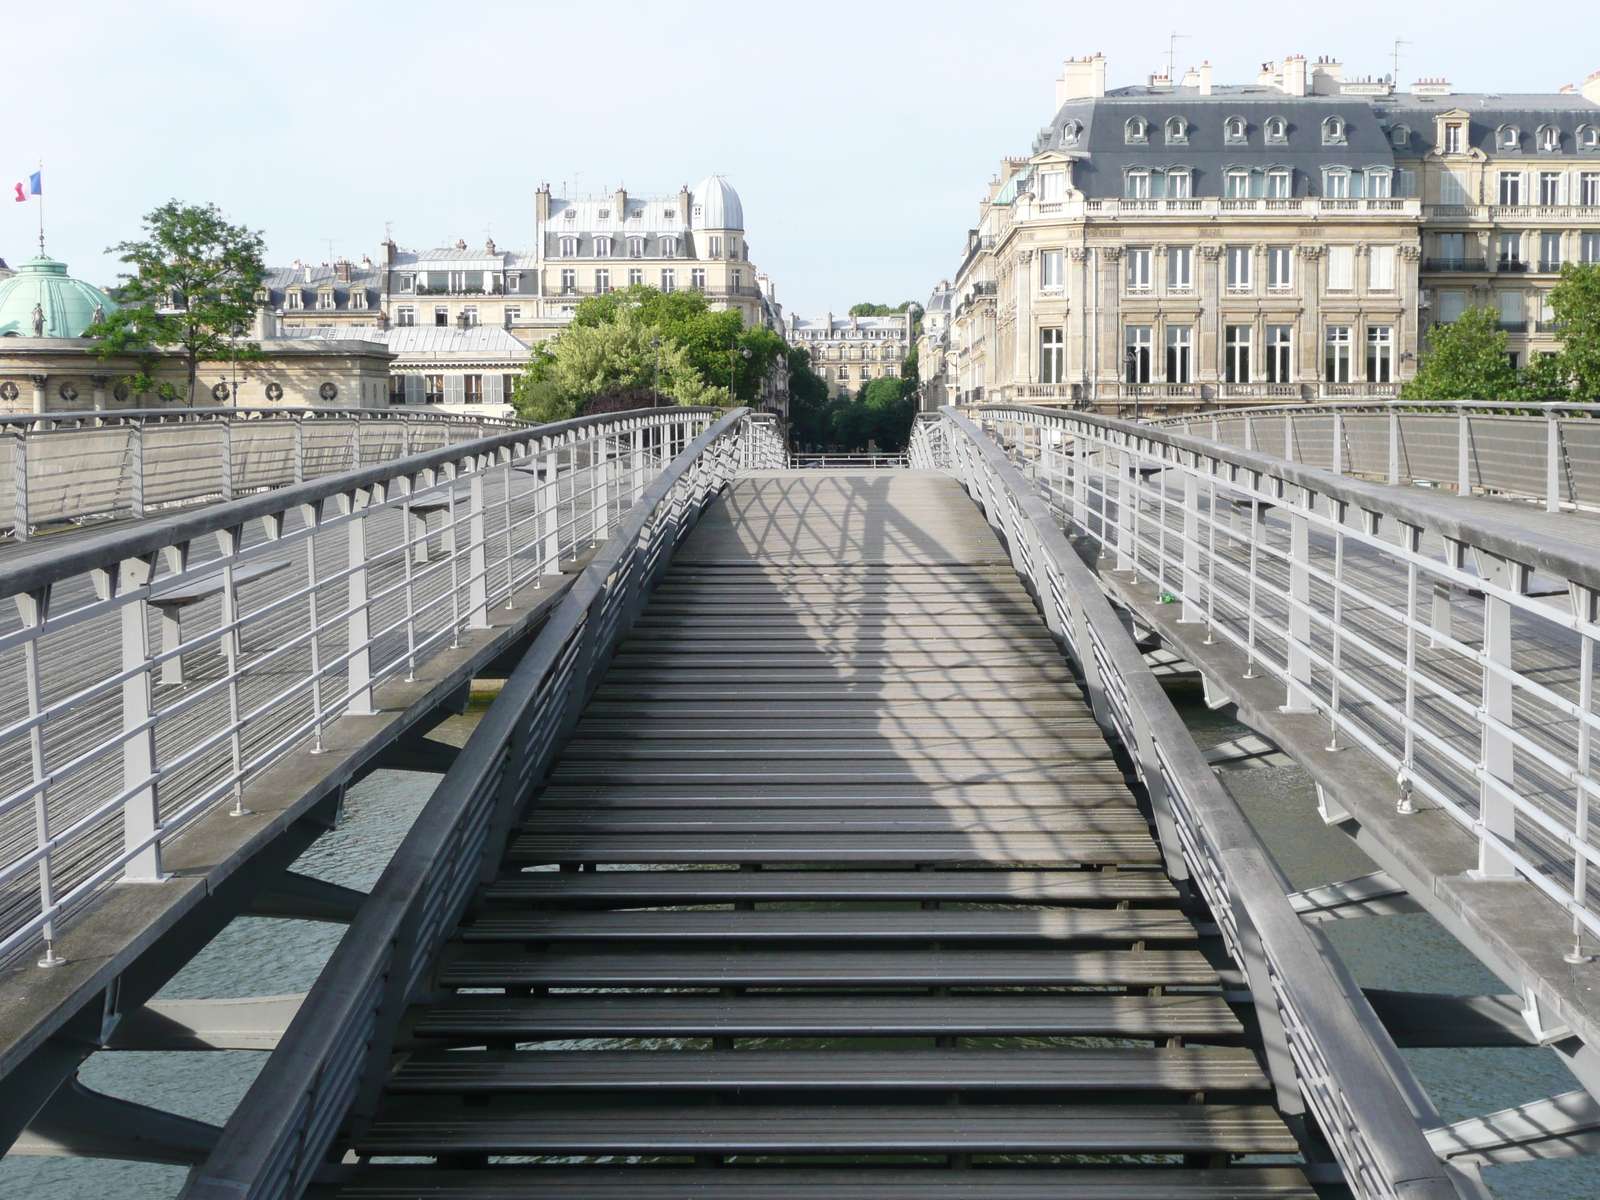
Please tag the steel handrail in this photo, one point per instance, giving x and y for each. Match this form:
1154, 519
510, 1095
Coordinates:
1319, 1055
327, 1069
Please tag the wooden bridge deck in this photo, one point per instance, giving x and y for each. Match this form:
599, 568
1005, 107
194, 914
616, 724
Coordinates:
837, 886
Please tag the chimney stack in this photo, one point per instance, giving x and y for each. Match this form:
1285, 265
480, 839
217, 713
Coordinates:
1294, 75
1591, 88
341, 270
1205, 78
1081, 79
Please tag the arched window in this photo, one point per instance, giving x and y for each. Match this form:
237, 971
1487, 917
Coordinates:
1549, 139
602, 247
1071, 132
1277, 129
1333, 131
1177, 131
1508, 137
569, 247
1233, 130
1400, 137
1137, 130
1588, 137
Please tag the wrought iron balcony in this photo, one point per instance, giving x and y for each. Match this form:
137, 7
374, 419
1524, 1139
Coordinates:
1454, 264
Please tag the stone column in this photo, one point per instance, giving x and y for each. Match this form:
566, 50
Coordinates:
40, 383
1022, 281
1207, 357
1310, 369
1108, 367
100, 382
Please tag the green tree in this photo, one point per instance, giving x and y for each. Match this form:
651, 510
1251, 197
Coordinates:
591, 363
1543, 379
808, 401
883, 310
193, 289
711, 340
1466, 361
1575, 302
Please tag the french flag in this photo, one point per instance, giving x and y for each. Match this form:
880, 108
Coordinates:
32, 188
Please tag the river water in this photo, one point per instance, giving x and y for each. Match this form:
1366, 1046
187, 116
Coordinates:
255, 957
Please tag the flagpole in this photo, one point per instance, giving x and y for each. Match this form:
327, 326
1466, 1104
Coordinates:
41, 208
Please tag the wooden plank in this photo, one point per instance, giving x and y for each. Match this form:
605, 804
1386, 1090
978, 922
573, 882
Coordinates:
841, 928
1190, 1069
1060, 1014
572, 1182
713, 887
886, 1129
483, 967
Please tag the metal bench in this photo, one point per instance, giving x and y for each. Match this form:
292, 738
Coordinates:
173, 599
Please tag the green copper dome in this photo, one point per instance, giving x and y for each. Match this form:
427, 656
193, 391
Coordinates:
68, 304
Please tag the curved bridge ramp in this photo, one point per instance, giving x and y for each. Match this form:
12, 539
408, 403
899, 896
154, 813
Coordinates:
836, 887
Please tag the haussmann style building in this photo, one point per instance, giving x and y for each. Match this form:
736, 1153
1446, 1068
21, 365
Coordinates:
1184, 244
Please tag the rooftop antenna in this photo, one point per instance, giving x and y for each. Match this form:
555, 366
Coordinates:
1172, 55
1397, 44
330, 250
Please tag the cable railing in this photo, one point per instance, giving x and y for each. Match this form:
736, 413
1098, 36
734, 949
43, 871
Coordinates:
1456, 646
1320, 1057
327, 1070
60, 467
148, 674
1544, 452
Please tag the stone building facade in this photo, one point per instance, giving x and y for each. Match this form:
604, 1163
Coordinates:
850, 352
1189, 244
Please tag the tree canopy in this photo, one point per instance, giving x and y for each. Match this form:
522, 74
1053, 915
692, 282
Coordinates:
1466, 361
880, 414
868, 309
1575, 303
193, 289
603, 360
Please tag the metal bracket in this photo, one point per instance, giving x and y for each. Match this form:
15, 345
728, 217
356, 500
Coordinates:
297, 897
1329, 809
1374, 895
1563, 1126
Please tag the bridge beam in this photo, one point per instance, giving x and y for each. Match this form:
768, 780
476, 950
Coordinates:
80, 1123
1374, 895
1563, 1126
248, 1023
297, 897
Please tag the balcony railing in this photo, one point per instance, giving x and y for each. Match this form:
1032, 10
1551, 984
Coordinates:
1583, 213
1550, 266
1513, 326
1455, 264
1299, 207
1549, 326
1514, 265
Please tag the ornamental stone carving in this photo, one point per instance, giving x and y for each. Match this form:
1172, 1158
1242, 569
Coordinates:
1024, 256
1210, 253
1111, 253
1410, 253
1310, 253
1078, 254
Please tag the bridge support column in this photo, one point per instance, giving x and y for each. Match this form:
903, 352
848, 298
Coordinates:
141, 818
1300, 696
1496, 814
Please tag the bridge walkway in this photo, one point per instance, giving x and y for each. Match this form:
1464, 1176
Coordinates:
836, 885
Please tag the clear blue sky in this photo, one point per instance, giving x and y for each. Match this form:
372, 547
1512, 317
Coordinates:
859, 135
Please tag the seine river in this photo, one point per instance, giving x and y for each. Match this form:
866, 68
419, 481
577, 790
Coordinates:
262, 957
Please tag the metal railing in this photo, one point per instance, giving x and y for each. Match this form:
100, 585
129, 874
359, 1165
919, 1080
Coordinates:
327, 1070
1544, 452
1320, 1057
148, 674
72, 466
847, 460
1456, 646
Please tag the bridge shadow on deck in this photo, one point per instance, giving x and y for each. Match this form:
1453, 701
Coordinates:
836, 884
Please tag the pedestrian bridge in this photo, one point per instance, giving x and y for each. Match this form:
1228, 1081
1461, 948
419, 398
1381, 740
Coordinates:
830, 834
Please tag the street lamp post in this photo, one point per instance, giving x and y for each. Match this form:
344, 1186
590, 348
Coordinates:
655, 344
734, 355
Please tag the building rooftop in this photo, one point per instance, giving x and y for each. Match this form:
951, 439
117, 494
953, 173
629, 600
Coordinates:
67, 305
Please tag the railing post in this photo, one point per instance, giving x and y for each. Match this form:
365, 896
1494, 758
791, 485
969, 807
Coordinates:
1338, 443
358, 625
477, 555
227, 459
1300, 696
1552, 462
1463, 453
550, 496
1496, 814
1127, 559
141, 816
1394, 443
1288, 437
300, 448
19, 485
1192, 612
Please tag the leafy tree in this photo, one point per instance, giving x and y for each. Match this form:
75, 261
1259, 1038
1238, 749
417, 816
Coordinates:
193, 289
1467, 361
883, 310
711, 340
1544, 379
808, 400
1575, 302
593, 366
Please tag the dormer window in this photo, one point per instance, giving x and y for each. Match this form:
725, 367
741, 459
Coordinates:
1400, 137
1335, 182
636, 247
605, 214
1588, 137
571, 214
291, 299
1136, 132
1233, 131
669, 214
358, 299
1071, 132
514, 281
1455, 137
1333, 131
569, 247
1180, 184
1277, 130
326, 301
1136, 186
1177, 131
669, 247
408, 283
602, 247
1549, 139
1508, 137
